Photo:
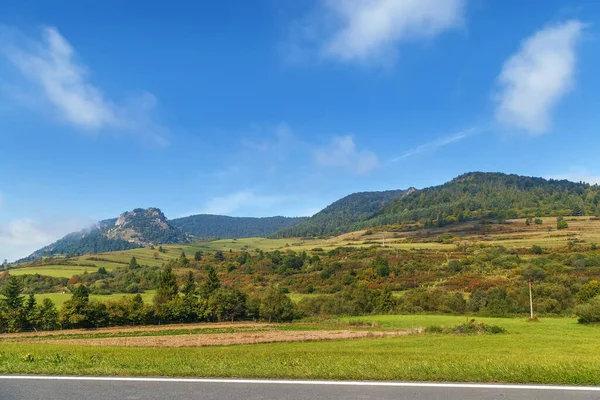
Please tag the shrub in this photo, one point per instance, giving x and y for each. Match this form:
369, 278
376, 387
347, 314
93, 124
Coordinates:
434, 329
589, 313
561, 223
535, 249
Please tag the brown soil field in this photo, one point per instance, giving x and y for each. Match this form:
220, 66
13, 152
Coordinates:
224, 339
140, 328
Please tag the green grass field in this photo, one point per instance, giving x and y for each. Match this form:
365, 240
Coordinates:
58, 271
60, 298
557, 351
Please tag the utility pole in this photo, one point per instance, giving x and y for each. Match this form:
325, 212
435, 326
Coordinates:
530, 300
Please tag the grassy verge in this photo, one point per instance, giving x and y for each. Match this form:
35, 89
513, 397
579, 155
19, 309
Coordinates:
551, 351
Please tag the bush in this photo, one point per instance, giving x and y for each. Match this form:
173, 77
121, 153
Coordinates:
561, 223
535, 249
589, 313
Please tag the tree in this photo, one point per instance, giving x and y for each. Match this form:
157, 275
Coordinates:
133, 263
198, 255
79, 312
12, 294
188, 308
183, 260
189, 285
167, 287
13, 304
212, 282
29, 310
46, 316
276, 306
219, 256
227, 304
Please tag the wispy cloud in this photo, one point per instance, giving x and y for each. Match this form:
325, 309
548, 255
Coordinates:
342, 152
534, 79
578, 174
21, 237
281, 140
436, 144
51, 66
371, 30
245, 199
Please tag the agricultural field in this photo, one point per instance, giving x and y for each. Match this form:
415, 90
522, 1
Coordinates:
57, 271
384, 347
60, 298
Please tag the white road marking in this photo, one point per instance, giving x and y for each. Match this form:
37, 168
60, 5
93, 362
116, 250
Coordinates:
305, 382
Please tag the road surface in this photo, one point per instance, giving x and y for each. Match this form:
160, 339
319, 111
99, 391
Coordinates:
103, 388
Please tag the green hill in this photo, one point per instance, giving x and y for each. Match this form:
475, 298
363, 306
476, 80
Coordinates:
220, 226
341, 216
478, 195
131, 230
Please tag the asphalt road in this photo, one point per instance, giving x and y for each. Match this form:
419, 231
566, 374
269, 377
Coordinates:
65, 388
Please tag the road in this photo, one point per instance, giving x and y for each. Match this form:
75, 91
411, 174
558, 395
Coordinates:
95, 388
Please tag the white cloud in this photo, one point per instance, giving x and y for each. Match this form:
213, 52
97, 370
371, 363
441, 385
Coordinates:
242, 200
342, 152
50, 65
19, 238
361, 30
436, 144
578, 174
534, 79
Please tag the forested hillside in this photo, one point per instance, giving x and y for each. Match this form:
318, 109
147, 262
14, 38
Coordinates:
131, 230
220, 226
340, 216
479, 195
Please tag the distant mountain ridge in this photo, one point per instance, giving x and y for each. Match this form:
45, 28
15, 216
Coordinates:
493, 195
471, 196
146, 227
221, 226
342, 215
133, 229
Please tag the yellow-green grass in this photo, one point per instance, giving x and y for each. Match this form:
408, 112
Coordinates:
557, 351
60, 298
296, 297
59, 271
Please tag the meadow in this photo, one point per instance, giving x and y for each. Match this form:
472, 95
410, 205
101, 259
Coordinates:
553, 350
60, 298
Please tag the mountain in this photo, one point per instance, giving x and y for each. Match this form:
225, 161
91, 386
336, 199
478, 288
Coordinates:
342, 215
477, 195
131, 230
220, 226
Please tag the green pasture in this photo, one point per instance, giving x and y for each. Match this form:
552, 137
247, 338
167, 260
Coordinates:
58, 271
60, 298
552, 351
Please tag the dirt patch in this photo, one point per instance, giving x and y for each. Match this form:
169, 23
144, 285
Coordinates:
140, 328
224, 339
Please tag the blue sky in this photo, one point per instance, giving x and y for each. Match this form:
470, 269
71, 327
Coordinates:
280, 107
